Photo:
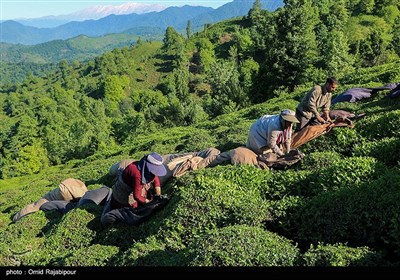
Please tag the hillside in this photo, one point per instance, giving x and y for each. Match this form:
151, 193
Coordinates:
18, 61
80, 48
279, 213
177, 17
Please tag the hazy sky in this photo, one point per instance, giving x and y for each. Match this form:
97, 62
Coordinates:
16, 9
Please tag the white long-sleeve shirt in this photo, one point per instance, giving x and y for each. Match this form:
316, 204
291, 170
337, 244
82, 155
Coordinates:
268, 131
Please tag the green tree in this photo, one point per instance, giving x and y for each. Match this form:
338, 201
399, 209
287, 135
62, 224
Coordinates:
241, 39
188, 32
128, 126
29, 160
336, 58
170, 114
248, 70
206, 54
396, 37
228, 93
172, 41
173, 46
99, 129
372, 50
114, 87
358, 7
262, 30
293, 50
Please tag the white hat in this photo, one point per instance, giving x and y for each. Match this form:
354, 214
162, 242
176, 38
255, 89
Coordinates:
289, 115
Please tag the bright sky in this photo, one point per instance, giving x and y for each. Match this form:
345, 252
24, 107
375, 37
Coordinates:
17, 9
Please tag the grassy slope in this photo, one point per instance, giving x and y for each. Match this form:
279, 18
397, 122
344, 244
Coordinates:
148, 73
173, 236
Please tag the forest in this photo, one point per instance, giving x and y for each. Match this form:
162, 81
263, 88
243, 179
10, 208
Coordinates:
338, 207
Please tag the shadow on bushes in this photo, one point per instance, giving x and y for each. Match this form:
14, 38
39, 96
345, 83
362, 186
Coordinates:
361, 216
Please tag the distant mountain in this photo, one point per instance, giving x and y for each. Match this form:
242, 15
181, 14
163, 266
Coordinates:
94, 12
232, 9
97, 12
177, 17
77, 48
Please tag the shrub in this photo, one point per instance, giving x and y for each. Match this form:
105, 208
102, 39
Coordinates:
288, 182
364, 216
207, 203
338, 174
94, 255
344, 139
242, 175
341, 255
242, 245
318, 160
380, 125
198, 141
19, 241
338, 140
279, 212
233, 136
322, 143
347, 173
149, 252
386, 150
76, 230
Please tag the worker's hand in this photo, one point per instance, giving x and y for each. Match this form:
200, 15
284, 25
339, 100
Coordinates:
291, 152
158, 198
320, 119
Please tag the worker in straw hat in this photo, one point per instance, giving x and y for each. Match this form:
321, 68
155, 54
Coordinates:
269, 132
139, 182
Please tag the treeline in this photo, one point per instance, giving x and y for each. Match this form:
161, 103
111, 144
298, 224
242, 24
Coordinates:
81, 108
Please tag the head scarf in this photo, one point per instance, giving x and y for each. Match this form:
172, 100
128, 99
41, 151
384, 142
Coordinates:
147, 176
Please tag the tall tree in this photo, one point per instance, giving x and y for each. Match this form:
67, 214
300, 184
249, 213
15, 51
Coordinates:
333, 45
372, 50
188, 31
338, 62
173, 45
206, 54
262, 28
291, 56
396, 37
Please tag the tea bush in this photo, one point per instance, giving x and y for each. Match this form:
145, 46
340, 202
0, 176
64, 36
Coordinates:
94, 255
380, 125
200, 140
233, 136
76, 230
344, 139
385, 150
242, 245
363, 216
341, 255
319, 160
19, 241
288, 182
207, 203
347, 173
149, 252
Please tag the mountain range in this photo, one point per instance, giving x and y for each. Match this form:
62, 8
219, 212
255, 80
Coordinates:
94, 12
177, 17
